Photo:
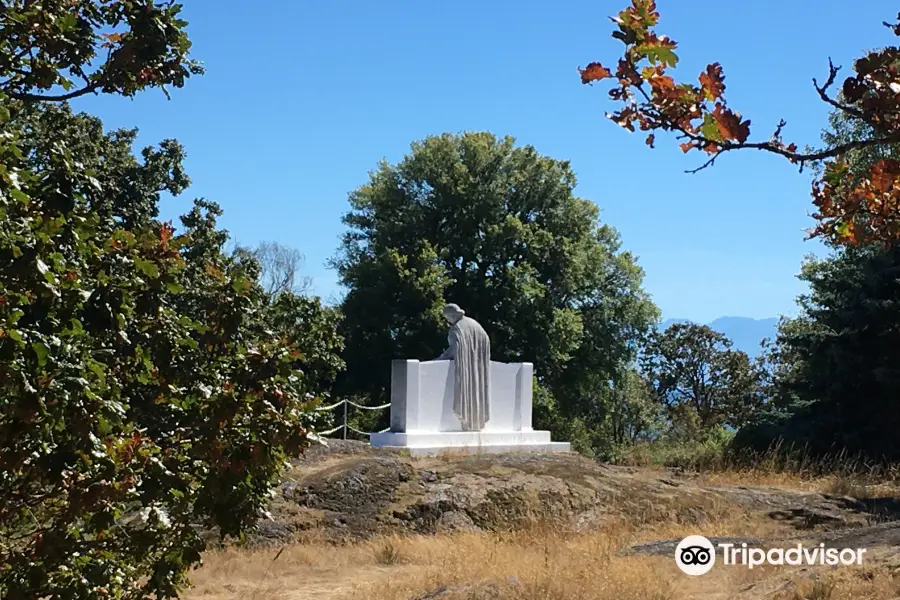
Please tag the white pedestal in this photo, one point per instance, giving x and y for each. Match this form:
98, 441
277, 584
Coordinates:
475, 442
423, 422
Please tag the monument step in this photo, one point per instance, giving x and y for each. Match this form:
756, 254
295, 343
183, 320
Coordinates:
436, 442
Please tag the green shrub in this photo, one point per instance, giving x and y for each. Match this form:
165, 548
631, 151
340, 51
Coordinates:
145, 389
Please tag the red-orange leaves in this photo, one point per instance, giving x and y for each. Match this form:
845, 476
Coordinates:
628, 75
165, 234
640, 16
850, 210
865, 212
594, 72
712, 82
730, 126
884, 176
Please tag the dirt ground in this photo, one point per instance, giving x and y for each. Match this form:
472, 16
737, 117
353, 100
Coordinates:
353, 522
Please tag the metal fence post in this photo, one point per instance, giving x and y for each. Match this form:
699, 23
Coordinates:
345, 418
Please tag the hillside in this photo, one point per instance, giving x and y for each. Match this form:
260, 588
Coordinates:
746, 333
383, 526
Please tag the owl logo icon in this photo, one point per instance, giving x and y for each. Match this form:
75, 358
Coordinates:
695, 555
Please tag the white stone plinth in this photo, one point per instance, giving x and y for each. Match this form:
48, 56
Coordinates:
423, 422
419, 444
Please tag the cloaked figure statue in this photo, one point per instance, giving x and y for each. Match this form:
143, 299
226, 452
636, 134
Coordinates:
470, 349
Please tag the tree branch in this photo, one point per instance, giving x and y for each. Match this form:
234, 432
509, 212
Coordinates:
793, 156
774, 145
25, 96
832, 73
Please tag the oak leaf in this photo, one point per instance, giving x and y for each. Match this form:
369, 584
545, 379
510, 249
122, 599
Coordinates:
885, 175
712, 81
730, 125
594, 72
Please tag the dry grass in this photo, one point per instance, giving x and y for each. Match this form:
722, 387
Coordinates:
859, 486
543, 562
546, 562
534, 564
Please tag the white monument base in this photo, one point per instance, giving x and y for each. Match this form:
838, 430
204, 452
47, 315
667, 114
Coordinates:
473, 442
423, 422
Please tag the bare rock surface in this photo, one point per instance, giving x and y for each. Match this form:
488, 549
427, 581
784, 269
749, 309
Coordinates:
349, 490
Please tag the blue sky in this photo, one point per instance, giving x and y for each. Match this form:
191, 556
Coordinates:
301, 100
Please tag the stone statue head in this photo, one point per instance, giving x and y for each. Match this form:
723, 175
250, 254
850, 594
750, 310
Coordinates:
453, 313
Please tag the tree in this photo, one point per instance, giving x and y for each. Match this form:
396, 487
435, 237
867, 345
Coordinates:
832, 379
142, 390
497, 229
699, 378
307, 324
280, 266
838, 380
56, 45
848, 210
631, 414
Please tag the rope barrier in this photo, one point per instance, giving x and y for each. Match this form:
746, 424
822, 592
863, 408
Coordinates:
338, 403
369, 407
335, 405
345, 402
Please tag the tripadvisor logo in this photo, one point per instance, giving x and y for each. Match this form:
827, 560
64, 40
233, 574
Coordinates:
696, 555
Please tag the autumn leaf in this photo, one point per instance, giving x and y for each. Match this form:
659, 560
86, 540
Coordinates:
662, 83
730, 125
713, 82
884, 175
646, 12
594, 72
650, 139
165, 234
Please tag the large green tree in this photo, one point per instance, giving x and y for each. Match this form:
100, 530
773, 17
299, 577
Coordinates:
701, 380
496, 228
145, 388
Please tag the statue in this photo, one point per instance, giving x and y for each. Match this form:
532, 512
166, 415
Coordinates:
470, 348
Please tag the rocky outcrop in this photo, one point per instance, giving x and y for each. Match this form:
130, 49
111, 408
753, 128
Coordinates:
350, 490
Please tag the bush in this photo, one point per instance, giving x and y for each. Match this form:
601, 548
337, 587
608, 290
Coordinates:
710, 452
143, 390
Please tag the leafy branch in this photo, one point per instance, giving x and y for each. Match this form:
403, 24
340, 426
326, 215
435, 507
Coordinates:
700, 116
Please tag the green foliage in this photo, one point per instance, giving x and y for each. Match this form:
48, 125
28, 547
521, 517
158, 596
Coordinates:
621, 414
497, 229
147, 385
85, 46
631, 414
303, 322
700, 379
711, 450
839, 378
832, 377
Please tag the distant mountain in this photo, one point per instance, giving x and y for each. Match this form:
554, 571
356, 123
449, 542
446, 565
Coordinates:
746, 333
